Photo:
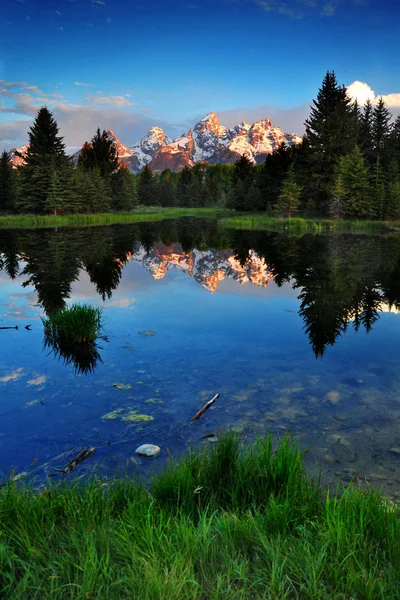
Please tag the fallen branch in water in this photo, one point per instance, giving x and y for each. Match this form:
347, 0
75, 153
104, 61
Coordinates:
205, 407
28, 327
83, 454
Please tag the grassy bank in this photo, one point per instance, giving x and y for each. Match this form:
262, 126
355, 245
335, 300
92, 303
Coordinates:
141, 214
225, 524
227, 218
300, 225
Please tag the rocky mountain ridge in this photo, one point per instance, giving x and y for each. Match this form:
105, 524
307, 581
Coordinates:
208, 141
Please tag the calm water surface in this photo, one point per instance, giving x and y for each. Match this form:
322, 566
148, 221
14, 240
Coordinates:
298, 334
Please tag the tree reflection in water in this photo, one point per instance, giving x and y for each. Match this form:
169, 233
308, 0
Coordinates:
343, 280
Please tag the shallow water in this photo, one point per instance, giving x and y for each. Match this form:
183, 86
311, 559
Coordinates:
297, 334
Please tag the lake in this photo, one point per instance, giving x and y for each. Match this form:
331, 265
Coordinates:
297, 334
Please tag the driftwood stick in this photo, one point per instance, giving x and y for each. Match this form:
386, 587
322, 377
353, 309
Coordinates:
205, 407
83, 454
16, 327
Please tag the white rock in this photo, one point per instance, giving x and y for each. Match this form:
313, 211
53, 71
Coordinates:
148, 450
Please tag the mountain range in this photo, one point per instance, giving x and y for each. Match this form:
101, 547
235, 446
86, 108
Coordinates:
208, 141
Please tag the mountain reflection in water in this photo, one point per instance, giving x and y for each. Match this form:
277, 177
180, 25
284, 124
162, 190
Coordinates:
342, 281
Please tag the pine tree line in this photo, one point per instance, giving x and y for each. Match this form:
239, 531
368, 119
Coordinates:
49, 183
347, 165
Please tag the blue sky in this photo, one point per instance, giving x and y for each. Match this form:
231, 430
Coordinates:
129, 65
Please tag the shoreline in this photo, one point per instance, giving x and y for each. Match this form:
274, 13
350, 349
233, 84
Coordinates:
227, 521
226, 218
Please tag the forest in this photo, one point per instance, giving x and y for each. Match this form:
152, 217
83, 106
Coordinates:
347, 166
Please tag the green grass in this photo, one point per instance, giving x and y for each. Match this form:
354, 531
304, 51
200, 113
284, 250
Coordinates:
301, 225
76, 324
227, 218
141, 214
224, 523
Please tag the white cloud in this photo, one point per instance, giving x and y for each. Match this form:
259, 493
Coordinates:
362, 92
81, 84
110, 100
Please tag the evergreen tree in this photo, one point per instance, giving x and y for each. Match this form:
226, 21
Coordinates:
243, 169
243, 177
45, 154
273, 173
380, 126
44, 140
354, 175
392, 145
366, 142
124, 193
165, 189
330, 130
8, 184
336, 206
87, 158
185, 188
99, 196
56, 196
393, 204
100, 154
288, 201
147, 189
75, 194
379, 192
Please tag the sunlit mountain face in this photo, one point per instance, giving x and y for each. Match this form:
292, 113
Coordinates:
208, 141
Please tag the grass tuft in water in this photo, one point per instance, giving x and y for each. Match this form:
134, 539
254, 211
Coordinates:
226, 522
71, 334
76, 324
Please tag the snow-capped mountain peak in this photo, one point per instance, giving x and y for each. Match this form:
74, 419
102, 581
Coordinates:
208, 141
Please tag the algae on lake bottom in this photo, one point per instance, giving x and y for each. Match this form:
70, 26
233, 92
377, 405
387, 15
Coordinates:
131, 416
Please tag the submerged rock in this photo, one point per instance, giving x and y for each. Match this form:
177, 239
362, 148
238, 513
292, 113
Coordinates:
148, 450
344, 450
209, 437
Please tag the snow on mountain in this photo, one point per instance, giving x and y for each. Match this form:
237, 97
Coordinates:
207, 135
206, 267
211, 142
208, 141
143, 152
17, 156
174, 155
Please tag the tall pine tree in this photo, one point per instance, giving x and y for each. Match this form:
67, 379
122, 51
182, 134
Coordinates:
353, 175
100, 154
380, 126
7, 184
331, 131
46, 154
